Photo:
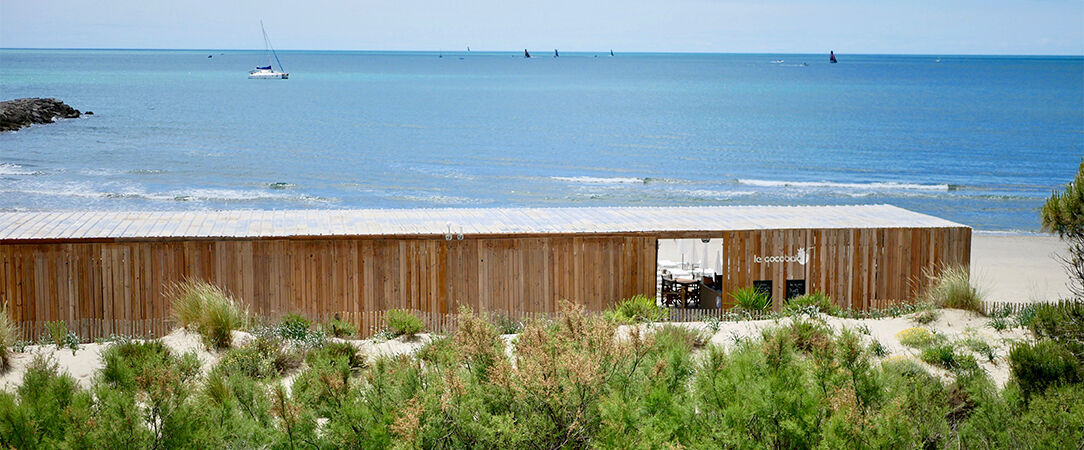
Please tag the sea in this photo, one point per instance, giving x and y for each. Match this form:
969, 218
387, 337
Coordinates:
980, 140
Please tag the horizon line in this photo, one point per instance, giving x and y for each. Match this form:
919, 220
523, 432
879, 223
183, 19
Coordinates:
462, 51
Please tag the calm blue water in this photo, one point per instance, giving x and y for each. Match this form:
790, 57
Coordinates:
978, 140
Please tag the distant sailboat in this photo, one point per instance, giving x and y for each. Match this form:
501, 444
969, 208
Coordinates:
468, 49
555, 54
832, 57
611, 52
266, 72
525, 54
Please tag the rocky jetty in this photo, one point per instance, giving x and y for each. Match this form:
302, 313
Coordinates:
23, 112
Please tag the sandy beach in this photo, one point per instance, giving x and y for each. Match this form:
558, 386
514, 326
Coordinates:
1018, 268
1006, 267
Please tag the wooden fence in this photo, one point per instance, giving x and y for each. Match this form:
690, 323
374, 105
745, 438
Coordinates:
103, 288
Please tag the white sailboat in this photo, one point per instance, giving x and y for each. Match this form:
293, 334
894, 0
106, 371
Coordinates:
267, 72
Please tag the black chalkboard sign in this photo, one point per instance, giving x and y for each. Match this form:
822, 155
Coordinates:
795, 288
764, 286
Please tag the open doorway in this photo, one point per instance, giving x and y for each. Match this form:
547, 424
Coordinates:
689, 273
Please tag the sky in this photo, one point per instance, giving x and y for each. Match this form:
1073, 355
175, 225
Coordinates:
1022, 27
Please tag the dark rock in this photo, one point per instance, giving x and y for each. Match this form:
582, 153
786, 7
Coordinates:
88, 113
23, 112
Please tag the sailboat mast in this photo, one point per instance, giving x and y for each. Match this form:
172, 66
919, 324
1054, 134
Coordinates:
270, 48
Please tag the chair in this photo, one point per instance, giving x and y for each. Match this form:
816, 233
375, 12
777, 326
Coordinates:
671, 292
692, 295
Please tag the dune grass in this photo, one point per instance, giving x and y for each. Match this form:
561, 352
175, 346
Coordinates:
208, 310
9, 334
952, 288
636, 309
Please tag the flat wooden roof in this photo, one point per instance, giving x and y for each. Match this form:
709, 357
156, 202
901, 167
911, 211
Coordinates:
243, 224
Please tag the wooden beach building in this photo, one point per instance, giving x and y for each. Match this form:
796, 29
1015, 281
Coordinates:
106, 272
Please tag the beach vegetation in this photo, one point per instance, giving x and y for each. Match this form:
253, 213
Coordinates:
570, 382
1061, 322
1041, 365
637, 309
340, 328
946, 356
9, 338
505, 324
979, 345
267, 357
818, 300
751, 299
688, 336
58, 333
925, 316
294, 327
1063, 214
400, 322
918, 337
336, 353
207, 310
951, 288
1025, 316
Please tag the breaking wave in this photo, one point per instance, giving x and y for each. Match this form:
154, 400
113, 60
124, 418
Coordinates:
861, 186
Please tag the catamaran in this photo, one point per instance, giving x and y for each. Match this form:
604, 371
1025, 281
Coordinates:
267, 72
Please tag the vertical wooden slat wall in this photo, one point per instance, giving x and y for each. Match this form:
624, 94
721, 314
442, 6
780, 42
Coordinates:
859, 268
102, 289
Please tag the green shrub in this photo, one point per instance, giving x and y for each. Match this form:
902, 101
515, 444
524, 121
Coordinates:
944, 355
818, 300
1025, 316
126, 363
877, 349
294, 327
1053, 419
689, 337
918, 337
505, 324
752, 299
35, 416
904, 366
266, 357
637, 309
808, 334
340, 328
1035, 367
60, 336
401, 322
208, 310
439, 352
980, 346
926, 316
9, 337
1062, 322
340, 353
952, 289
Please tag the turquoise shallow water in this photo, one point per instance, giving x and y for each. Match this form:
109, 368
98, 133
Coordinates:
978, 140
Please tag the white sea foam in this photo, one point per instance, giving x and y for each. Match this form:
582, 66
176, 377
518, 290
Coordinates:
437, 199
833, 185
100, 172
14, 169
716, 195
234, 195
601, 180
113, 191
